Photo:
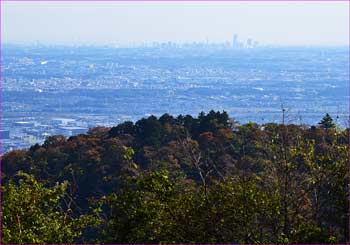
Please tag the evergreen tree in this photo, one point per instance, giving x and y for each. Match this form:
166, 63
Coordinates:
327, 122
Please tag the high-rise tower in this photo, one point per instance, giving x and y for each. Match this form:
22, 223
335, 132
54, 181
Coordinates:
235, 43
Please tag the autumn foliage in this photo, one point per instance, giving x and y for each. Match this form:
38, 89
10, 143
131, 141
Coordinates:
181, 180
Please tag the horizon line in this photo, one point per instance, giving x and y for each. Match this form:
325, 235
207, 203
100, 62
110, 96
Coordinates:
151, 44
184, 1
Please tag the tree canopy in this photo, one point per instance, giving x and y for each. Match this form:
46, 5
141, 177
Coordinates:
181, 179
327, 122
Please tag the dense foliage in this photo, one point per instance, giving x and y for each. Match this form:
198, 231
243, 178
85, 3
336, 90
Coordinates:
181, 180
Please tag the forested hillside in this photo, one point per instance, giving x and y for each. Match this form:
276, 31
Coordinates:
180, 180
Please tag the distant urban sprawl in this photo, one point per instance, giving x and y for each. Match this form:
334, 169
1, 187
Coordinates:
66, 90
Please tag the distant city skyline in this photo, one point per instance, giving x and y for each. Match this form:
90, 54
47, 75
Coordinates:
122, 23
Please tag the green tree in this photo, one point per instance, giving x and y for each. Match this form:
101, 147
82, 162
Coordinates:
197, 180
33, 213
327, 122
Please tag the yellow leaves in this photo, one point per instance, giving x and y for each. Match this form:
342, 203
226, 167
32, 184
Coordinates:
258, 178
128, 153
134, 165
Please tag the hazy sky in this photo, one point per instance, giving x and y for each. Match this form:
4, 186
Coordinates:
288, 23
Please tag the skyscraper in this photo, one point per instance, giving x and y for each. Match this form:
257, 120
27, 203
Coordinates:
235, 43
249, 43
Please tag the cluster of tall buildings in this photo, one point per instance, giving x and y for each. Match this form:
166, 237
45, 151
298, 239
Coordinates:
235, 43
249, 43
